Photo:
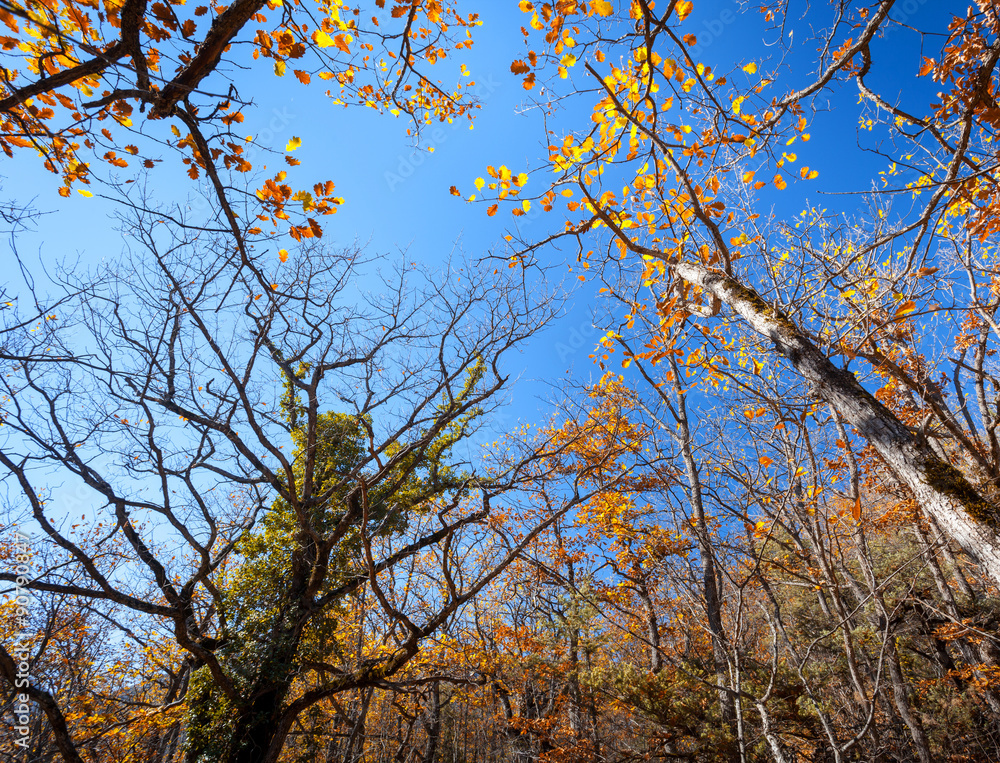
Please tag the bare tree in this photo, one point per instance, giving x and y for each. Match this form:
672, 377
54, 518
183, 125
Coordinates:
207, 401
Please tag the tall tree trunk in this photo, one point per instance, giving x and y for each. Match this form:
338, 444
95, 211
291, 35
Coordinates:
943, 491
710, 577
652, 627
432, 724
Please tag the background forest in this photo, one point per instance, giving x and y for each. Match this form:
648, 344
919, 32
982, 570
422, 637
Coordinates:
687, 450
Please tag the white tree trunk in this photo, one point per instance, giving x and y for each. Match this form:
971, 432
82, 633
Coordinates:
941, 489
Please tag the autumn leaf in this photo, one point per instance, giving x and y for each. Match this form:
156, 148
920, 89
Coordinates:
342, 40
683, 9
283, 255
293, 144
602, 7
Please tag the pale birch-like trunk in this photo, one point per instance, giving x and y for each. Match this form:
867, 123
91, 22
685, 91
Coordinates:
944, 492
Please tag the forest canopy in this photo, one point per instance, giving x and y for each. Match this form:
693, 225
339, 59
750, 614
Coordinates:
270, 493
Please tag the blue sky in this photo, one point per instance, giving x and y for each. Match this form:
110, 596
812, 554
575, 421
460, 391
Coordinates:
397, 196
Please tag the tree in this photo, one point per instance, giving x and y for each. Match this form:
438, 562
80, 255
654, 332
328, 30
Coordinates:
175, 430
688, 208
771, 535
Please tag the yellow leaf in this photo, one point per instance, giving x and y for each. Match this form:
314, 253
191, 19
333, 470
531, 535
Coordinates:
84, 192
283, 254
779, 183
602, 7
683, 9
750, 68
323, 39
905, 308
293, 144
480, 183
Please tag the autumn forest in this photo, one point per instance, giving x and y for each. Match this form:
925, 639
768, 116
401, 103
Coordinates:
689, 450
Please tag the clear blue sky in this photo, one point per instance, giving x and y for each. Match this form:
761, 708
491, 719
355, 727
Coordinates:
397, 195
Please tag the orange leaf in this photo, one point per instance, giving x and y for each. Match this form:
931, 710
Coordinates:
906, 307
